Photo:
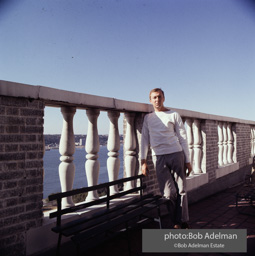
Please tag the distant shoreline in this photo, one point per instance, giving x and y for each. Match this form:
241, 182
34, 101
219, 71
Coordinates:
48, 148
52, 140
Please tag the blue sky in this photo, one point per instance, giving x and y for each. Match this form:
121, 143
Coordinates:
200, 52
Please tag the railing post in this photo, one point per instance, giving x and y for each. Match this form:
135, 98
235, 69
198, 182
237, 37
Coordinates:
113, 146
230, 143
197, 146
66, 150
220, 144
252, 142
130, 148
225, 144
92, 147
190, 139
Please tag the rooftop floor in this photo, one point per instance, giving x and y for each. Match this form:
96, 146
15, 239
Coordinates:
215, 212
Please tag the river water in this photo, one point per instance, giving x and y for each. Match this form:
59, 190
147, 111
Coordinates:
51, 163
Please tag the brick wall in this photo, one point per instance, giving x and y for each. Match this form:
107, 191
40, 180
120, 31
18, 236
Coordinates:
21, 171
209, 132
243, 143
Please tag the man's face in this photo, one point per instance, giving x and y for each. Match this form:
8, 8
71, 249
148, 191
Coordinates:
157, 99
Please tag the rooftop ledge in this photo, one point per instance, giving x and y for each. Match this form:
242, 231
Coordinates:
57, 98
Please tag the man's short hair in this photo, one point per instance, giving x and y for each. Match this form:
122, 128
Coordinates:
156, 90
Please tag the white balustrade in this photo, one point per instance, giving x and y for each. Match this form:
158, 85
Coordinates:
220, 144
197, 146
92, 164
113, 146
189, 123
130, 148
225, 144
230, 143
66, 150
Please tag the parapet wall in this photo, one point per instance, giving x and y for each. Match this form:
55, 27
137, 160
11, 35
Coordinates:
221, 147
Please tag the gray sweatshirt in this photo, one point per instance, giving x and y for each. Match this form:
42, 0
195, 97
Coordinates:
165, 133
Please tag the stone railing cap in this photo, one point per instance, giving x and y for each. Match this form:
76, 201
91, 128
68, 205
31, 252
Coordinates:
57, 98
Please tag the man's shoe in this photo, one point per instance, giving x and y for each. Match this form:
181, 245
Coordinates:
177, 226
185, 225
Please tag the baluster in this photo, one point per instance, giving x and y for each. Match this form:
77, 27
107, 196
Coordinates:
225, 144
130, 149
190, 139
197, 146
92, 147
230, 144
66, 150
220, 144
252, 142
253, 129
113, 146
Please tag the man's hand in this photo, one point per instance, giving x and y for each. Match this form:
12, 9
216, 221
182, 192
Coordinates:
189, 167
145, 170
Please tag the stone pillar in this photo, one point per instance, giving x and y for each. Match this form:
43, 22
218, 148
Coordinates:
21, 171
66, 150
225, 144
220, 144
197, 146
130, 148
243, 146
230, 143
190, 139
113, 146
92, 164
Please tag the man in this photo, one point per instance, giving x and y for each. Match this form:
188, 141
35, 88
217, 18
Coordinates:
164, 132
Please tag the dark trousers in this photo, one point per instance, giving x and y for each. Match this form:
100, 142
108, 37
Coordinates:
171, 176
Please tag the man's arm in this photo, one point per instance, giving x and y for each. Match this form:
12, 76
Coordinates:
144, 147
182, 136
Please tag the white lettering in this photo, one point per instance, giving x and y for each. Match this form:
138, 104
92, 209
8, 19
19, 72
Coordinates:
212, 245
198, 245
220, 236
